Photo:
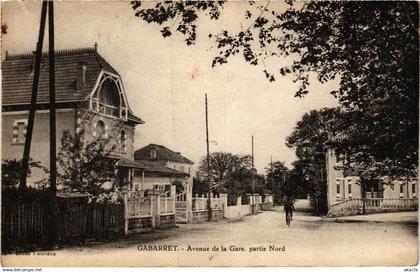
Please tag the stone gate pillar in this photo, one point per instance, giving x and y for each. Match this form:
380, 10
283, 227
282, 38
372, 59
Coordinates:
188, 199
155, 202
225, 204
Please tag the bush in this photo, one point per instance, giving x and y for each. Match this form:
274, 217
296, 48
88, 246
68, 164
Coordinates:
232, 199
29, 195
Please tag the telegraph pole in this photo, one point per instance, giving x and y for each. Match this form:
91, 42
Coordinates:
32, 107
53, 141
253, 180
208, 163
272, 175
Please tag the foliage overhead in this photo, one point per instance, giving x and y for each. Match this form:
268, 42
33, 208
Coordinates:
370, 48
313, 131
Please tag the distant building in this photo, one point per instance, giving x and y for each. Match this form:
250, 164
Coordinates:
90, 96
344, 189
163, 167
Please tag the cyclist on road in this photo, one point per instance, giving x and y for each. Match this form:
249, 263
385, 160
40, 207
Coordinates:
289, 208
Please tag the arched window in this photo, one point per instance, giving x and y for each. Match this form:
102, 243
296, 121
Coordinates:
100, 129
123, 140
108, 99
109, 93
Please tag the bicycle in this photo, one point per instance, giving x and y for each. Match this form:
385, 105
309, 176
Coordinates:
288, 219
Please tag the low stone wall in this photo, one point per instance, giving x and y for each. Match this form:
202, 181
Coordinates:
369, 210
237, 211
217, 215
266, 206
142, 224
167, 221
201, 216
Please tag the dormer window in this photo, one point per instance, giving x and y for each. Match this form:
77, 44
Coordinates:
153, 153
108, 99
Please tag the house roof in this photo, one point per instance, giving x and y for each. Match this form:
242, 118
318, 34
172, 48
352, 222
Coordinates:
131, 164
157, 168
17, 77
162, 154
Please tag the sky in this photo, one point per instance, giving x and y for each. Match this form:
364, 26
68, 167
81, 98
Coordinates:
166, 80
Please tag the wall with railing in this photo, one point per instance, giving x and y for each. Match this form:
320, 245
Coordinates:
195, 209
139, 207
255, 205
238, 210
167, 205
200, 211
372, 205
143, 213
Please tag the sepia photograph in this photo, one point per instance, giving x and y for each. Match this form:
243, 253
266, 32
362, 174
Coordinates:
209, 134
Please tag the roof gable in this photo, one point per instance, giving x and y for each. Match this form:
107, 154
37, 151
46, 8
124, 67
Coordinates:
162, 154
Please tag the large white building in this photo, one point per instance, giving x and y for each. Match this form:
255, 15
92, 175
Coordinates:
344, 192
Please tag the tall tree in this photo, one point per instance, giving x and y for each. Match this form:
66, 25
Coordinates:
309, 139
371, 48
229, 173
276, 173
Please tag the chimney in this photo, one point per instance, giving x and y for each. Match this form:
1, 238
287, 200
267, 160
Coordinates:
81, 76
33, 62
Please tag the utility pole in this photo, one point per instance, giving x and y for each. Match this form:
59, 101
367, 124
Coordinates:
272, 176
208, 163
253, 180
53, 144
32, 107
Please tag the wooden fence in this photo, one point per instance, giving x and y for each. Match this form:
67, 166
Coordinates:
27, 225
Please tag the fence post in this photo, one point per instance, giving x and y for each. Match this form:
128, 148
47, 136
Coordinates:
125, 196
155, 202
173, 196
225, 204
188, 199
239, 201
152, 209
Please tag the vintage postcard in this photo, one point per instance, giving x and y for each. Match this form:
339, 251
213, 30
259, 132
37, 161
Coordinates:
209, 133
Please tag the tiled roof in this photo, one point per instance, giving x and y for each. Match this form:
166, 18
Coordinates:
135, 119
17, 75
157, 168
162, 154
131, 164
